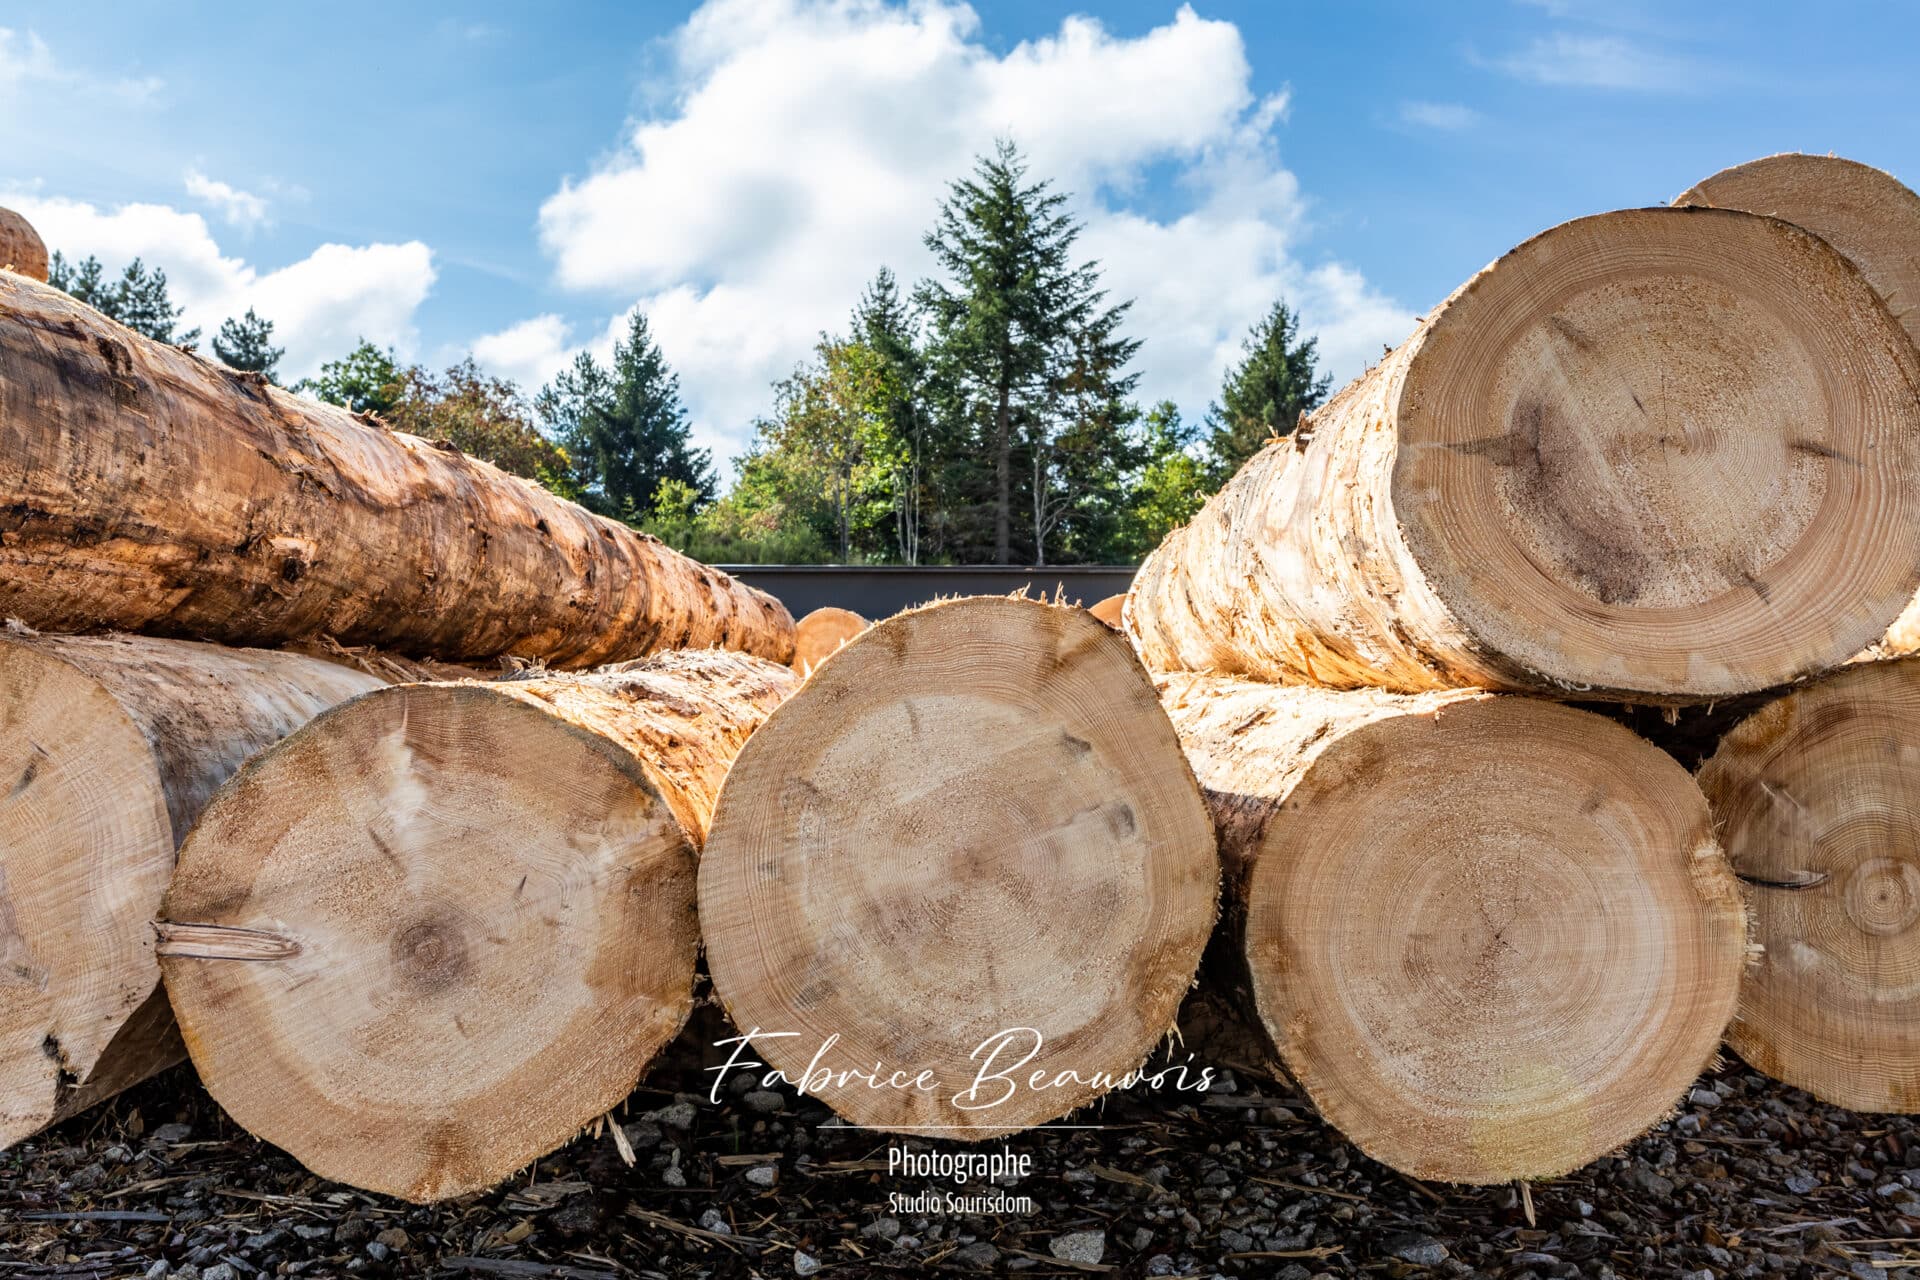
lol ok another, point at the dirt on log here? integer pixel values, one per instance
(112, 746)
(969, 843)
(426, 939)
(1492, 937)
(150, 490)
(1659, 455)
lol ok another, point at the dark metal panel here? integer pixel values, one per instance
(877, 591)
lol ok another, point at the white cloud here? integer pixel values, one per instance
(806, 144)
(238, 208)
(1597, 62)
(320, 305)
(27, 63)
(1450, 117)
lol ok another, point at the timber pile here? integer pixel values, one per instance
(1662, 456)
(974, 820)
(427, 938)
(112, 747)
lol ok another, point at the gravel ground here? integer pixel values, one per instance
(1749, 1179)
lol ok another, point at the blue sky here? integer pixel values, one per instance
(512, 179)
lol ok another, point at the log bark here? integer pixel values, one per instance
(1865, 213)
(150, 490)
(1656, 455)
(425, 940)
(112, 746)
(21, 249)
(1817, 797)
(1491, 937)
(974, 819)
(818, 635)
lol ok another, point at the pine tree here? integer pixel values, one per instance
(882, 324)
(1010, 324)
(247, 345)
(624, 427)
(138, 299)
(1265, 394)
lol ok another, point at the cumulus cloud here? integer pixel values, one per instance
(1450, 117)
(320, 305)
(806, 143)
(238, 208)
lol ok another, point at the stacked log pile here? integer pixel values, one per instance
(955, 872)
(176, 510)
(1661, 456)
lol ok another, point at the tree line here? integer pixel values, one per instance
(986, 415)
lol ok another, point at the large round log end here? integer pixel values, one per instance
(427, 939)
(972, 827)
(1668, 453)
(1818, 800)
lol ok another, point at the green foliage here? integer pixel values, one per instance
(1265, 394)
(482, 416)
(138, 299)
(366, 380)
(734, 530)
(1170, 486)
(624, 427)
(247, 345)
(1027, 377)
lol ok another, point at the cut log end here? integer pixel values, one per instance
(1818, 800)
(1108, 610)
(433, 935)
(1493, 938)
(974, 822)
(1866, 213)
(1664, 451)
(109, 746)
(21, 249)
(88, 848)
(818, 635)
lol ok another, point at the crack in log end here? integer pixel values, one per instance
(26, 780)
(68, 1079)
(221, 942)
(1802, 880)
(1823, 451)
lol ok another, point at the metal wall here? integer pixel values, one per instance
(875, 592)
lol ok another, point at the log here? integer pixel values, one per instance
(818, 635)
(1817, 798)
(1865, 213)
(112, 746)
(150, 490)
(428, 938)
(1108, 610)
(1491, 937)
(21, 249)
(974, 820)
(1659, 455)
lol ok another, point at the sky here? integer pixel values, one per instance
(513, 180)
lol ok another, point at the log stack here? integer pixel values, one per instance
(1661, 456)
(154, 493)
(427, 938)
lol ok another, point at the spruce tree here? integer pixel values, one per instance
(1011, 323)
(624, 427)
(247, 345)
(1264, 395)
(881, 323)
